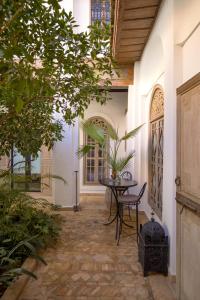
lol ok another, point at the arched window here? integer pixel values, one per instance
(95, 162)
(156, 151)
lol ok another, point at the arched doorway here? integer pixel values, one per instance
(156, 151)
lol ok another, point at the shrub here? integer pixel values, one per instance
(26, 224)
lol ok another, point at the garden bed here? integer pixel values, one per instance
(14, 291)
(26, 226)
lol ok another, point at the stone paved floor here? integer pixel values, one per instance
(87, 264)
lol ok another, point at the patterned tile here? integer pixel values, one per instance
(86, 263)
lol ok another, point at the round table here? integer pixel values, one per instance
(117, 186)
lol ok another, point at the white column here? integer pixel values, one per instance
(65, 163)
(82, 14)
(67, 5)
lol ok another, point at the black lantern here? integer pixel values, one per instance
(153, 248)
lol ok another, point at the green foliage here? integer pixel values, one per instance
(10, 261)
(22, 217)
(116, 163)
(47, 67)
(95, 132)
(26, 224)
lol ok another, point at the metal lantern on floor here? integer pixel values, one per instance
(153, 248)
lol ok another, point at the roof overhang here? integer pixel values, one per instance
(132, 24)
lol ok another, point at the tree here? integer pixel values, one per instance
(46, 67)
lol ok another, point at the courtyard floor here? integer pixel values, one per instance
(86, 263)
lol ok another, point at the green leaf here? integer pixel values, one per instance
(120, 163)
(96, 133)
(1, 53)
(112, 133)
(40, 258)
(19, 105)
(83, 150)
(131, 133)
(27, 272)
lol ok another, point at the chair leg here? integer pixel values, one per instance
(129, 212)
(136, 211)
(121, 217)
(119, 223)
(110, 206)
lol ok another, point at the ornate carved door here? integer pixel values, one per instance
(156, 151)
(188, 190)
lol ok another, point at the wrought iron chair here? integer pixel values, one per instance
(129, 200)
(126, 175)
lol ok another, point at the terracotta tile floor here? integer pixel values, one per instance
(87, 264)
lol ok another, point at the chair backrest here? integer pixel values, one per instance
(126, 175)
(142, 191)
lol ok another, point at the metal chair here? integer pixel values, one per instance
(126, 175)
(129, 200)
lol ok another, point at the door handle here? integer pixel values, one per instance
(178, 181)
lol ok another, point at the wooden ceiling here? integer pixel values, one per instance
(133, 21)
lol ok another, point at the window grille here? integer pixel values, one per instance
(95, 162)
(100, 11)
(156, 151)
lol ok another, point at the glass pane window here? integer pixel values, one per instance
(95, 162)
(100, 11)
(27, 172)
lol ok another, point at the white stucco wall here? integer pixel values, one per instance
(187, 37)
(114, 113)
(65, 163)
(65, 160)
(156, 67)
(67, 5)
(170, 58)
(82, 14)
(186, 17)
(191, 59)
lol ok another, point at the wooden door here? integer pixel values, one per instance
(188, 190)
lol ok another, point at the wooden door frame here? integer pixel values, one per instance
(183, 201)
(187, 86)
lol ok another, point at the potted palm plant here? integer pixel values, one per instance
(115, 162)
